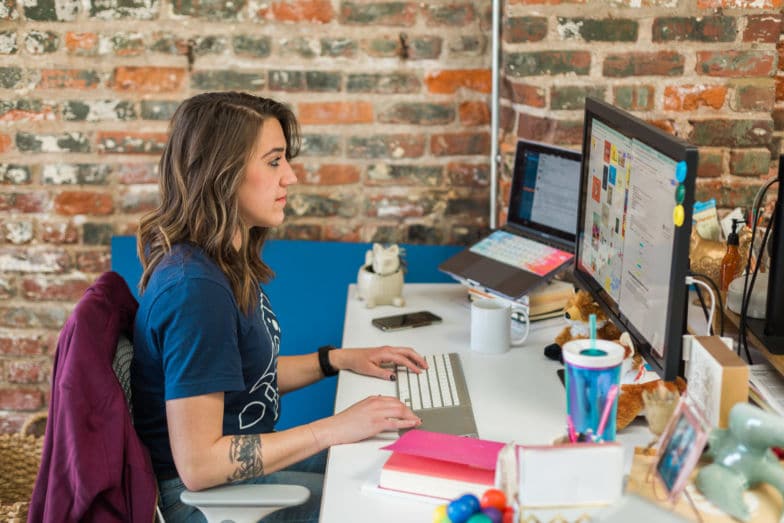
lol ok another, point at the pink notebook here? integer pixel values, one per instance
(474, 452)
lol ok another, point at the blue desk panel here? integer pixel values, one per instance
(308, 294)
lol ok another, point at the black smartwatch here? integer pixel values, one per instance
(323, 356)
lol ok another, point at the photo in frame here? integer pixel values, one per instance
(680, 447)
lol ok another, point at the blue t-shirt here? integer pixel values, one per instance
(191, 338)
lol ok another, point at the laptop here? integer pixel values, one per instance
(538, 239)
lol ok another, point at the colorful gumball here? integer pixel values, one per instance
(495, 515)
(439, 514)
(509, 515)
(459, 510)
(472, 501)
(494, 498)
(479, 518)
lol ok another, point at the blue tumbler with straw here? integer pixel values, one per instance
(593, 367)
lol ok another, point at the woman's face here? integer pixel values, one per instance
(262, 193)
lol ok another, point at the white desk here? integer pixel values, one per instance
(516, 396)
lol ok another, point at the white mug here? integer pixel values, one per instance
(491, 326)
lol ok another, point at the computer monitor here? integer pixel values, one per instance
(634, 221)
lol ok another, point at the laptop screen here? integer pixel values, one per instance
(545, 190)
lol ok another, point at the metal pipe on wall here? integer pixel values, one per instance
(494, 109)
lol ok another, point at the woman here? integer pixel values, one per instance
(206, 371)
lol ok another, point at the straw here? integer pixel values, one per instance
(592, 320)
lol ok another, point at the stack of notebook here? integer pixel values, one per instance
(545, 302)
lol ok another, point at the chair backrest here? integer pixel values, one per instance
(121, 364)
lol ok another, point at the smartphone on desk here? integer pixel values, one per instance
(408, 320)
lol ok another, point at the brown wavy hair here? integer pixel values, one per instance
(211, 138)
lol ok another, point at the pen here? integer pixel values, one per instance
(570, 428)
(606, 412)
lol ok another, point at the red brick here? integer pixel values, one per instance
(12, 422)
(319, 11)
(46, 112)
(22, 344)
(735, 63)
(665, 125)
(68, 79)
(35, 201)
(58, 232)
(81, 43)
(329, 113)
(57, 289)
(526, 94)
(549, 130)
(449, 81)
(548, 2)
(83, 202)
(779, 88)
(474, 113)
(149, 79)
(20, 398)
(466, 143)
(468, 174)
(739, 4)
(763, 28)
(711, 163)
(132, 173)
(331, 174)
(94, 261)
(26, 371)
(691, 97)
(5, 142)
(342, 233)
(127, 142)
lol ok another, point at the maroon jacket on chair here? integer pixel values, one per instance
(94, 467)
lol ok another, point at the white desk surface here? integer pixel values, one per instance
(516, 396)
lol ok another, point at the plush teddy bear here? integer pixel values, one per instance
(630, 403)
(576, 313)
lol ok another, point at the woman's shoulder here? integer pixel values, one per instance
(187, 265)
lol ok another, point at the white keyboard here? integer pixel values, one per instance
(430, 389)
(512, 250)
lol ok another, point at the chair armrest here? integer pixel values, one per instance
(247, 496)
(244, 503)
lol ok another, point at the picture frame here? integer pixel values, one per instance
(680, 447)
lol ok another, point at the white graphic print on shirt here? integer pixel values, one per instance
(254, 411)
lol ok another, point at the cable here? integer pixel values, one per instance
(702, 302)
(746, 295)
(690, 281)
(713, 284)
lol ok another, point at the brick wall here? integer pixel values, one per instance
(393, 99)
(705, 70)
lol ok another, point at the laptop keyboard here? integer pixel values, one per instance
(432, 388)
(521, 252)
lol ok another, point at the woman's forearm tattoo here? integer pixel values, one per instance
(245, 451)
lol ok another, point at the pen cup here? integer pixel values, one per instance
(592, 368)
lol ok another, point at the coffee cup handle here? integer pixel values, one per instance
(516, 342)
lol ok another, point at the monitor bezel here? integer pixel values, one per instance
(671, 364)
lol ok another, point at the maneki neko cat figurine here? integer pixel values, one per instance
(380, 279)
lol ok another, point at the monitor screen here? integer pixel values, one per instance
(545, 188)
(634, 220)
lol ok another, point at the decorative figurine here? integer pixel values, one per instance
(380, 280)
(742, 458)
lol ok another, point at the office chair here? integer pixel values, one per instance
(91, 372)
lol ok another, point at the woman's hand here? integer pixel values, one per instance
(363, 420)
(379, 362)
